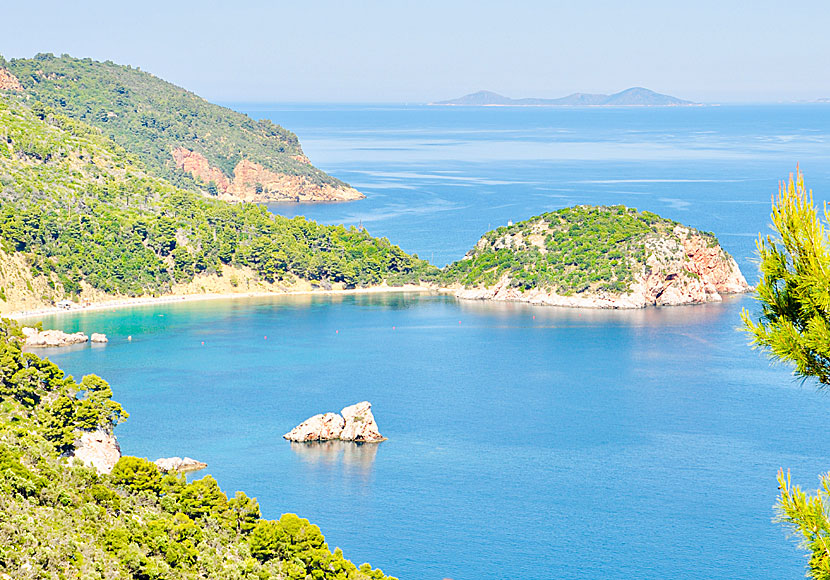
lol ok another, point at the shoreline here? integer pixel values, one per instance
(180, 298)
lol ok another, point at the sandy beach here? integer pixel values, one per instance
(118, 303)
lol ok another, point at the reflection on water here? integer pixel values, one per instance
(513, 313)
(357, 457)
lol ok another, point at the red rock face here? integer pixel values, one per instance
(713, 266)
(196, 164)
(9, 82)
(253, 182)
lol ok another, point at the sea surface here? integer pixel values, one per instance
(524, 442)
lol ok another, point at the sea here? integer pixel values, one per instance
(524, 442)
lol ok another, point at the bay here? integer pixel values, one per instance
(524, 442)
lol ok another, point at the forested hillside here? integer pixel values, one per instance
(60, 520)
(162, 124)
(84, 212)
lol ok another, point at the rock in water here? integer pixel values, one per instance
(179, 465)
(98, 337)
(98, 449)
(360, 424)
(323, 427)
(47, 338)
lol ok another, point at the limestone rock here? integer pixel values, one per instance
(360, 424)
(98, 449)
(98, 337)
(52, 338)
(323, 427)
(178, 464)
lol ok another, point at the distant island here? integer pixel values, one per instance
(633, 97)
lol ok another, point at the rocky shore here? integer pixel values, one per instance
(57, 338)
(100, 449)
(354, 423)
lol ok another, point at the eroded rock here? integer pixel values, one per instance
(360, 424)
(355, 423)
(98, 449)
(179, 464)
(52, 338)
(324, 427)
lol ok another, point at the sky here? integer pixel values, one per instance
(394, 51)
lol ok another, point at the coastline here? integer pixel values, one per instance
(120, 303)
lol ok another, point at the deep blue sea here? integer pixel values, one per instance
(524, 442)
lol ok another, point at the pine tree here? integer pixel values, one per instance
(794, 293)
(794, 290)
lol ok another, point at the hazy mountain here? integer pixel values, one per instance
(635, 96)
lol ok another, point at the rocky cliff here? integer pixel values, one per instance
(649, 261)
(98, 449)
(254, 183)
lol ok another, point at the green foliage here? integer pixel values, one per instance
(809, 519)
(136, 474)
(66, 521)
(150, 117)
(794, 293)
(85, 211)
(794, 290)
(568, 251)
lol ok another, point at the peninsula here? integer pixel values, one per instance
(633, 97)
(176, 134)
(597, 257)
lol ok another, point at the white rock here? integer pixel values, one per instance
(179, 465)
(98, 449)
(52, 338)
(98, 337)
(317, 428)
(360, 424)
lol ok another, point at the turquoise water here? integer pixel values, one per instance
(524, 442)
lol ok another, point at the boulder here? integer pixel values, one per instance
(323, 427)
(98, 449)
(356, 423)
(360, 424)
(52, 338)
(98, 337)
(178, 464)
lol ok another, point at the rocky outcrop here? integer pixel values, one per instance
(254, 183)
(324, 427)
(360, 424)
(52, 338)
(98, 449)
(685, 267)
(9, 82)
(355, 423)
(178, 464)
(55, 338)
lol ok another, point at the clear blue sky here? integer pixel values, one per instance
(389, 51)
